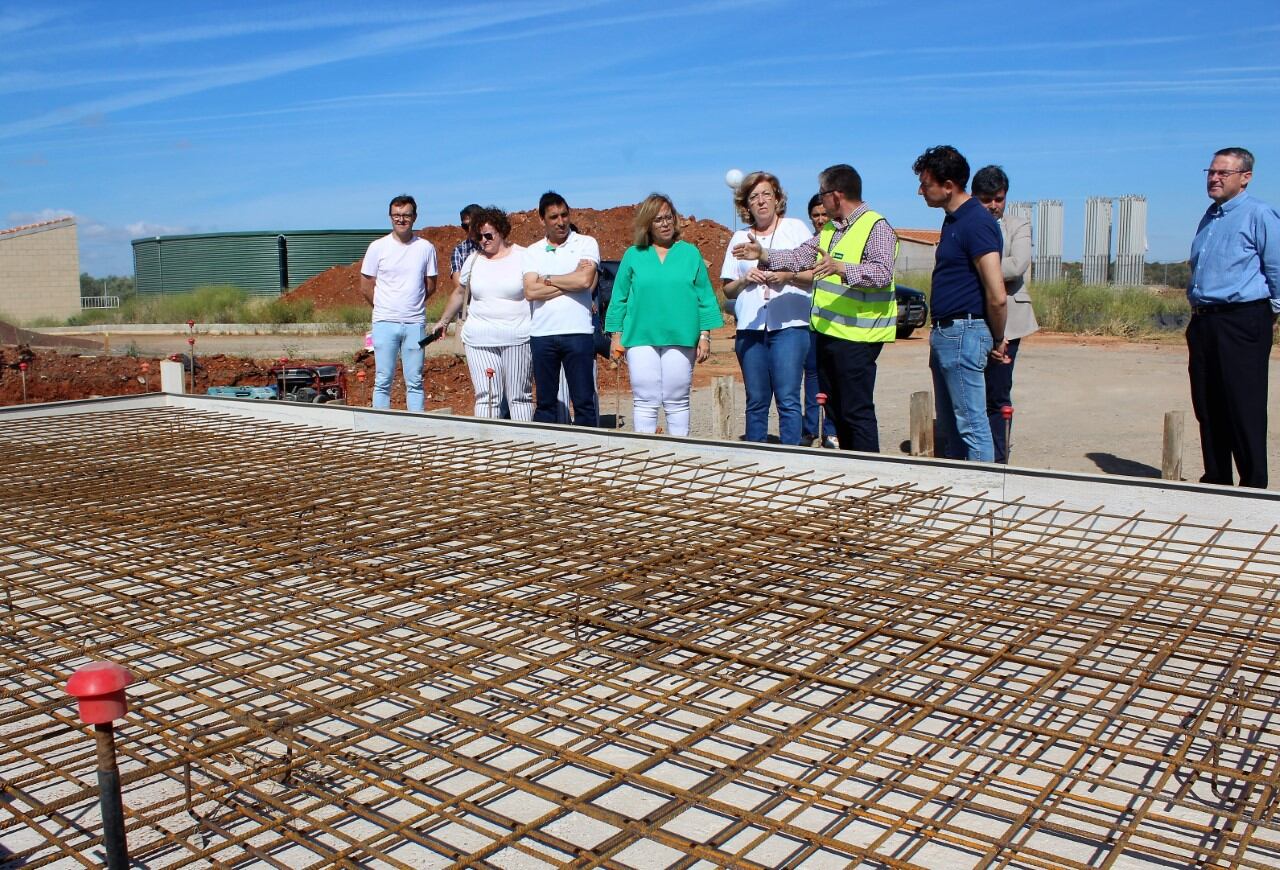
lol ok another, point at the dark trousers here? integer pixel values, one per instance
(1000, 393)
(576, 353)
(849, 368)
(1227, 357)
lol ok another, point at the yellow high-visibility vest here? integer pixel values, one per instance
(867, 314)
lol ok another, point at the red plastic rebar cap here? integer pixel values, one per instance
(191, 324)
(146, 366)
(1006, 411)
(191, 341)
(822, 398)
(99, 687)
(22, 366)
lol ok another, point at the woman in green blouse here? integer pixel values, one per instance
(662, 313)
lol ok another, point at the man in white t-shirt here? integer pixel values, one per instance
(397, 275)
(559, 272)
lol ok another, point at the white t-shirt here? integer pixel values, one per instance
(399, 271)
(499, 313)
(569, 313)
(787, 305)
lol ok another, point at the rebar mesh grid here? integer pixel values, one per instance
(405, 651)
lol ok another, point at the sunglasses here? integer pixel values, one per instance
(488, 237)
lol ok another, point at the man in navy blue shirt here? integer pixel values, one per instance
(968, 303)
(1234, 293)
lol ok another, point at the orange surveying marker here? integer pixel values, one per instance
(1006, 411)
(488, 373)
(822, 414)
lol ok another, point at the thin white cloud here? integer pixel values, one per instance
(379, 42)
(20, 21)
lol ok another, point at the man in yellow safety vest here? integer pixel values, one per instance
(850, 264)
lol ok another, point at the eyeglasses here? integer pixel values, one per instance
(762, 196)
(488, 237)
(663, 219)
(823, 193)
(404, 218)
(1223, 173)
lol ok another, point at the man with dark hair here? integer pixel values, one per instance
(1234, 293)
(463, 249)
(559, 273)
(968, 302)
(854, 309)
(991, 188)
(397, 275)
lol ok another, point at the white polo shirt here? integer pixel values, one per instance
(399, 271)
(569, 313)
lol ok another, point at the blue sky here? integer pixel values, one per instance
(144, 119)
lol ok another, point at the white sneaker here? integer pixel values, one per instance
(831, 442)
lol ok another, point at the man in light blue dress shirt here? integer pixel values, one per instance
(1234, 293)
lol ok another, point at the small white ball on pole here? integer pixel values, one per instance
(733, 178)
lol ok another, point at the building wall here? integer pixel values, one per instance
(40, 272)
(914, 257)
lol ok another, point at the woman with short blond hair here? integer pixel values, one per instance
(771, 308)
(662, 313)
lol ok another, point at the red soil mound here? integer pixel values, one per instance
(612, 228)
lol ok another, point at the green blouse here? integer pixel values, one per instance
(662, 302)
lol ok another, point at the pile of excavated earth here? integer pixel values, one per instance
(613, 228)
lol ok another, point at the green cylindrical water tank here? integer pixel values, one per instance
(254, 261)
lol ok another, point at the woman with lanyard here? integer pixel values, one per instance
(496, 331)
(662, 313)
(771, 309)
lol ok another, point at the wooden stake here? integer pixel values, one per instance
(722, 390)
(922, 424)
(1171, 460)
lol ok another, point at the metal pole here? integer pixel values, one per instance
(109, 800)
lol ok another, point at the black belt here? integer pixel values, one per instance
(952, 318)
(1220, 307)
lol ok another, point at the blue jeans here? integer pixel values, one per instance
(576, 352)
(773, 371)
(999, 377)
(814, 383)
(389, 341)
(958, 355)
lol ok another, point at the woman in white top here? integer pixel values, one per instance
(771, 308)
(495, 333)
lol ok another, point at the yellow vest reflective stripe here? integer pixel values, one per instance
(867, 314)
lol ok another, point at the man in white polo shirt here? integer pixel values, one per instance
(559, 272)
(397, 275)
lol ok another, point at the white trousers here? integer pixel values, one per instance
(512, 380)
(660, 378)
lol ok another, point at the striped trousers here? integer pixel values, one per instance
(512, 380)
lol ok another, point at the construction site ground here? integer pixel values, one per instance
(1081, 403)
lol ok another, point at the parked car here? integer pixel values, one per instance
(913, 310)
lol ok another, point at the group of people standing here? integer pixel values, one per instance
(829, 296)
(814, 306)
(530, 313)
